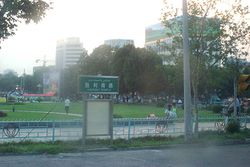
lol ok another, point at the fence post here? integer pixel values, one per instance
(53, 131)
(129, 126)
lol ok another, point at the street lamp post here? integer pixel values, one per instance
(186, 68)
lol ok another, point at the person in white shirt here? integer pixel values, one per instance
(66, 105)
(170, 114)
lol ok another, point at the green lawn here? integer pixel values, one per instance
(119, 111)
(32, 116)
(141, 111)
(55, 107)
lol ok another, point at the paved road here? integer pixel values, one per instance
(189, 156)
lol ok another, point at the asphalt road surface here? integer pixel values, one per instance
(188, 156)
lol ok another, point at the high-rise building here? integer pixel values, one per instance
(68, 52)
(156, 38)
(118, 43)
(163, 39)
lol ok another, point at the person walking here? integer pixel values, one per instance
(66, 105)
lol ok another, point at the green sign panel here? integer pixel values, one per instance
(99, 84)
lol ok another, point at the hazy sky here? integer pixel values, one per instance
(92, 20)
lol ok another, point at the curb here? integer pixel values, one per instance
(106, 149)
(184, 145)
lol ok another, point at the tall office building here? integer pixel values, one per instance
(68, 52)
(156, 38)
(161, 39)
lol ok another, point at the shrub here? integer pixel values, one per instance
(216, 108)
(117, 116)
(11, 99)
(3, 114)
(233, 126)
(39, 99)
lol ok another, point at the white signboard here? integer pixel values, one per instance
(98, 118)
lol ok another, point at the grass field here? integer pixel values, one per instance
(23, 111)
(35, 116)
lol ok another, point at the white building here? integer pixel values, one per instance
(68, 52)
(156, 38)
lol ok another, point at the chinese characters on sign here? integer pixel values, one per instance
(99, 84)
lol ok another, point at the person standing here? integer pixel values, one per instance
(66, 105)
(170, 114)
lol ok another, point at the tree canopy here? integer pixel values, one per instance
(12, 12)
(139, 70)
(215, 36)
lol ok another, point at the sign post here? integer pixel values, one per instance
(97, 114)
(98, 84)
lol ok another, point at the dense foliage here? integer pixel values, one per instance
(12, 12)
(216, 37)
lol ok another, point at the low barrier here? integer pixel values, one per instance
(125, 128)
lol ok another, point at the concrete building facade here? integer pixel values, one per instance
(156, 38)
(68, 52)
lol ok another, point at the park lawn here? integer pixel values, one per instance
(45, 107)
(142, 111)
(119, 110)
(35, 116)
(136, 111)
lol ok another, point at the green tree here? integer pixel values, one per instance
(214, 35)
(8, 81)
(139, 70)
(235, 66)
(98, 62)
(30, 83)
(125, 65)
(13, 12)
(69, 82)
(151, 79)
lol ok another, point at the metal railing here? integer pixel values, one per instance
(125, 128)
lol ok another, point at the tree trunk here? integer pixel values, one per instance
(196, 125)
(196, 113)
(195, 83)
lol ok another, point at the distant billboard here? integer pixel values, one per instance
(51, 82)
(2, 99)
(155, 32)
(158, 32)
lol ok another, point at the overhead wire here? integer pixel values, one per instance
(51, 109)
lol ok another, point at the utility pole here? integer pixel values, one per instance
(23, 81)
(186, 68)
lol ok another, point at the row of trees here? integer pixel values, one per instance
(142, 71)
(216, 35)
(216, 38)
(139, 70)
(9, 81)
